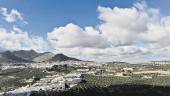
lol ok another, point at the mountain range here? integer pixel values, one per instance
(32, 56)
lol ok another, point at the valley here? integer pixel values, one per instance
(60, 73)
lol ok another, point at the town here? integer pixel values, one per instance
(62, 76)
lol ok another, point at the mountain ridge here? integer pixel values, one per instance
(8, 56)
(33, 56)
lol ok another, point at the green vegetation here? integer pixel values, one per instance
(115, 86)
(112, 80)
(61, 68)
(117, 66)
(114, 90)
(23, 73)
(13, 78)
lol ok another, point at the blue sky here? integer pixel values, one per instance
(44, 15)
(92, 29)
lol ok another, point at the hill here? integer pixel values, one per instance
(25, 54)
(62, 57)
(32, 56)
(8, 56)
(42, 57)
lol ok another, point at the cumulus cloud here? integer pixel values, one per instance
(71, 36)
(125, 26)
(17, 39)
(12, 15)
(134, 33)
(113, 51)
(123, 32)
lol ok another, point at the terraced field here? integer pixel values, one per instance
(114, 90)
(112, 80)
(13, 78)
(115, 86)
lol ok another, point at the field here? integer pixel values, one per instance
(113, 80)
(94, 85)
(13, 78)
(115, 86)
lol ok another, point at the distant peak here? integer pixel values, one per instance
(62, 57)
(60, 54)
(32, 50)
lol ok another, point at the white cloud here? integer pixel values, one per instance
(18, 39)
(71, 36)
(123, 32)
(135, 33)
(114, 51)
(12, 15)
(123, 26)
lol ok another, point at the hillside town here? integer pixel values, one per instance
(24, 72)
(67, 74)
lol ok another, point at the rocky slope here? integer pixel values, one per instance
(62, 57)
(42, 57)
(32, 56)
(8, 56)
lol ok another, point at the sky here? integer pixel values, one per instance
(106, 30)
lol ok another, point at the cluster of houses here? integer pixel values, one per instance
(61, 82)
(53, 83)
